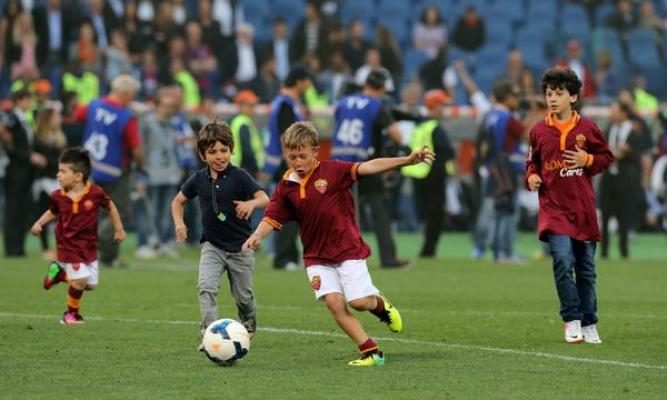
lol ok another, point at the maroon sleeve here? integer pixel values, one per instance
(278, 212)
(534, 162)
(599, 150)
(53, 203)
(80, 114)
(347, 173)
(131, 138)
(515, 133)
(104, 199)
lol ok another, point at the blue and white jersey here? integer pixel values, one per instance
(355, 116)
(273, 146)
(103, 138)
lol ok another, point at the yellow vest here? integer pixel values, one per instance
(191, 95)
(421, 136)
(87, 87)
(256, 143)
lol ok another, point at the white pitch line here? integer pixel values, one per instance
(501, 350)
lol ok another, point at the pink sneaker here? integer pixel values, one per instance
(70, 318)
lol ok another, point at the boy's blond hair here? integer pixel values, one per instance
(300, 134)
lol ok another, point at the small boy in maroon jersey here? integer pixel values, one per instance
(76, 206)
(316, 194)
(566, 150)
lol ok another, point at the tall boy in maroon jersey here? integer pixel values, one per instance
(76, 206)
(566, 150)
(317, 195)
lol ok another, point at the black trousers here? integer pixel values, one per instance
(373, 196)
(17, 215)
(119, 192)
(430, 203)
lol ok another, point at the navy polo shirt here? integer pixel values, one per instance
(222, 228)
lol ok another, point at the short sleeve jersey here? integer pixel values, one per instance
(322, 205)
(76, 227)
(216, 197)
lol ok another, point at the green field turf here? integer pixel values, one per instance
(474, 330)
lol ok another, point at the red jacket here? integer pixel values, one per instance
(567, 199)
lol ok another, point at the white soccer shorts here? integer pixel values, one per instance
(76, 271)
(350, 278)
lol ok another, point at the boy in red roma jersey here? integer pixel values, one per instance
(76, 205)
(317, 195)
(566, 150)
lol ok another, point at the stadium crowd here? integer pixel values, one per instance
(189, 57)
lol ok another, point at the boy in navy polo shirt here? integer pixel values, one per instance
(316, 194)
(228, 196)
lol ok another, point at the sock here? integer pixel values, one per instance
(74, 299)
(369, 346)
(379, 307)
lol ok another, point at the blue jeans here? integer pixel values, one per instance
(577, 297)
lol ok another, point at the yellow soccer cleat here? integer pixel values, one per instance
(368, 360)
(391, 316)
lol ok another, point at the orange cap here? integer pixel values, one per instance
(434, 98)
(246, 96)
(42, 86)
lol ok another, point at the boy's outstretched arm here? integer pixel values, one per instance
(119, 233)
(379, 165)
(263, 229)
(47, 217)
(177, 206)
(245, 208)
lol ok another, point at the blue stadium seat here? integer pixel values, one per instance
(356, 9)
(291, 11)
(499, 32)
(399, 26)
(656, 78)
(607, 39)
(642, 48)
(255, 10)
(573, 15)
(412, 60)
(506, 9)
(393, 7)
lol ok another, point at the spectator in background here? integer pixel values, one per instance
(620, 185)
(199, 57)
(229, 15)
(148, 74)
(103, 20)
(279, 48)
(159, 139)
(310, 35)
(429, 33)
(165, 27)
(18, 179)
(267, 83)
(514, 67)
(390, 53)
(9, 52)
(188, 84)
(355, 46)
(649, 20)
(336, 41)
(336, 76)
(179, 12)
(139, 33)
(431, 72)
(606, 79)
(25, 41)
(470, 31)
(210, 29)
(373, 62)
(623, 20)
(85, 52)
(50, 141)
(118, 59)
(248, 144)
(247, 61)
(574, 61)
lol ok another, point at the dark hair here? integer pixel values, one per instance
(422, 17)
(20, 94)
(504, 88)
(296, 74)
(79, 159)
(626, 109)
(562, 78)
(214, 132)
(376, 79)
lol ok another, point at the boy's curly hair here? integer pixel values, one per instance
(214, 132)
(562, 78)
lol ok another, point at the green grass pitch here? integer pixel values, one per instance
(473, 330)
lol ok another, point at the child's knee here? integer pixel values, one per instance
(335, 303)
(78, 284)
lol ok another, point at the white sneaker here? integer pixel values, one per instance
(590, 333)
(145, 253)
(573, 332)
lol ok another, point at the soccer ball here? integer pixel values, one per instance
(226, 341)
